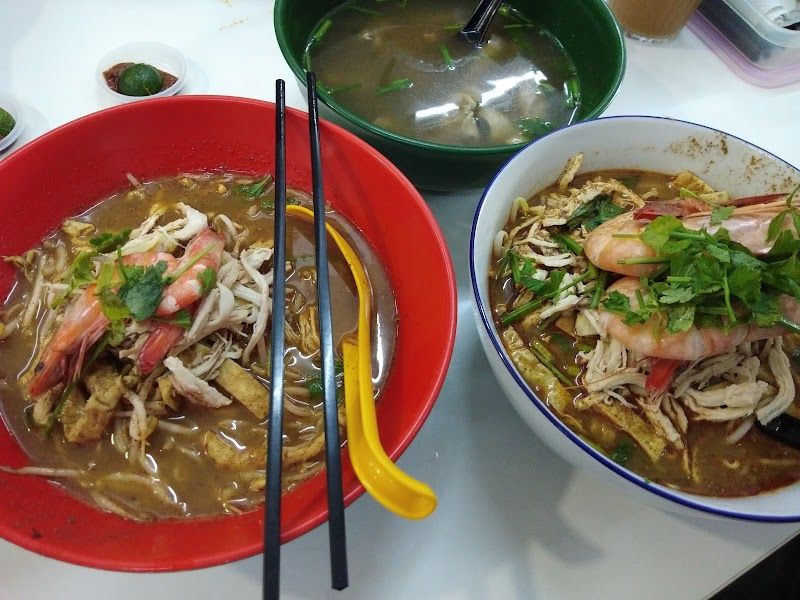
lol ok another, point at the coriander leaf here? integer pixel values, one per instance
(109, 242)
(680, 318)
(255, 189)
(314, 383)
(208, 279)
(594, 213)
(623, 452)
(741, 257)
(534, 127)
(745, 284)
(766, 312)
(523, 272)
(80, 272)
(720, 214)
(785, 244)
(719, 252)
(619, 303)
(675, 294)
(553, 283)
(116, 312)
(657, 232)
(142, 289)
(776, 225)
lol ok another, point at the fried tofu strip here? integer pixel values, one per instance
(631, 423)
(228, 457)
(535, 373)
(245, 388)
(84, 420)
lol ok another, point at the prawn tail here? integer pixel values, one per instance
(158, 344)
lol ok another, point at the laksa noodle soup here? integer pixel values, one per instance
(400, 65)
(658, 318)
(135, 346)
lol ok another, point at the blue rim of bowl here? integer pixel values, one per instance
(352, 118)
(488, 325)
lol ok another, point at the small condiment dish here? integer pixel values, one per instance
(8, 103)
(156, 54)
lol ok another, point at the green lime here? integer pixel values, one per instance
(139, 80)
(7, 123)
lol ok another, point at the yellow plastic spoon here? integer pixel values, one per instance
(385, 481)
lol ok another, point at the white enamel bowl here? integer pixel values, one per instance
(648, 143)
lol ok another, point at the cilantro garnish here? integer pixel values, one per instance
(142, 289)
(534, 127)
(315, 385)
(523, 271)
(720, 214)
(255, 189)
(208, 279)
(709, 280)
(109, 242)
(623, 452)
(594, 213)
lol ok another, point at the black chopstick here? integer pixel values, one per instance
(336, 532)
(272, 522)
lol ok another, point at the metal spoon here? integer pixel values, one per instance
(478, 24)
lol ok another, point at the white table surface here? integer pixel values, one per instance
(514, 520)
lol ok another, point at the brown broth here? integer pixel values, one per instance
(200, 486)
(755, 464)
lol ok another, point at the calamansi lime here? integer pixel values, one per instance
(139, 80)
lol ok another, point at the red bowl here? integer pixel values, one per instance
(68, 169)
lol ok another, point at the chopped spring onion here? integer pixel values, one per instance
(536, 348)
(321, 30)
(532, 305)
(572, 92)
(599, 288)
(448, 60)
(344, 88)
(568, 244)
(394, 86)
(361, 9)
(67, 391)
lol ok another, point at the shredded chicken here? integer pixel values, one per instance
(192, 387)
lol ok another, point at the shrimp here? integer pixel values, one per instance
(747, 225)
(203, 252)
(84, 323)
(650, 339)
(160, 341)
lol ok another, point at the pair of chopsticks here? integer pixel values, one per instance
(272, 523)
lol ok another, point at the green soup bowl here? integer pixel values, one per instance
(586, 29)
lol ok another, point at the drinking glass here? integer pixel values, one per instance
(652, 20)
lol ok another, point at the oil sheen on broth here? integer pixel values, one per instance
(198, 486)
(400, 66)
(753, 464)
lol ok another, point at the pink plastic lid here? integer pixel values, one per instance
(736, 61)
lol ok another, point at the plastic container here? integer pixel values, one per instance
(155, 54)
(750, 44)
(8, 103)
